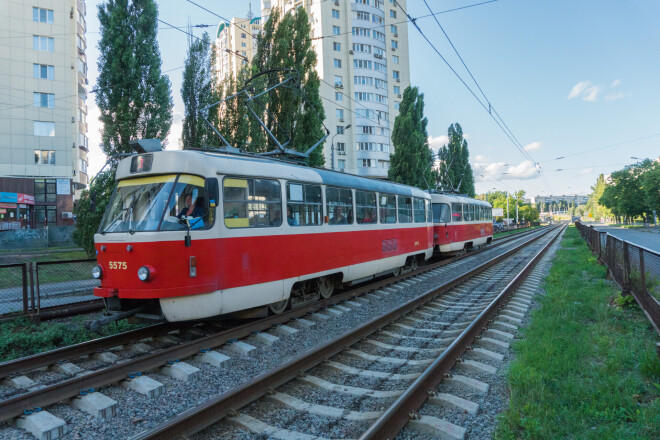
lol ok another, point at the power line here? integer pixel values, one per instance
(603, 148)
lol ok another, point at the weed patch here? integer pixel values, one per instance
(587, 367)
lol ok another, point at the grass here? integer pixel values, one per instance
(587, 367)
(20, 337)
(514, 231)
(11, 277)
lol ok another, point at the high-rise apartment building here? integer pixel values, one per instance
(363, 62)
(236, 44)
(43, 130)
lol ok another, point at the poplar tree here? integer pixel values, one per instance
(132, 94)
(285, 44)
(411, 161)
(198, 90)
(455, 173)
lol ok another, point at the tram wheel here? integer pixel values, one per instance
(414, 264)
(325, 287)
(278, 307)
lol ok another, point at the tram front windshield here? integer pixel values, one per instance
(156, 203)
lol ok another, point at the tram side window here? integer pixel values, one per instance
(405, 209)
(387, 203)
(252, 203)
(456, 212)
(303, 204)
(441, 213)
(419, 212)
(365, 207)
(340, 205)
(429, 212)
(467, 215)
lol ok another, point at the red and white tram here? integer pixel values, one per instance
(197, 234)
(460, 223)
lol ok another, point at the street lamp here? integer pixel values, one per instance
(332, 144)
(636, 158)
(488, 192)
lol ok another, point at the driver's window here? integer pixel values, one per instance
(188, 203)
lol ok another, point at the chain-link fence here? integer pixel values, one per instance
(31, 288)
(635, 268)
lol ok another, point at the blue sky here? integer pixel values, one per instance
(566, 76)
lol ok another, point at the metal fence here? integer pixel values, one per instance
(635, 268)
(37, 289)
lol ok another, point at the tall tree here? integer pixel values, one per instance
(455, 173)
(412, 158)
(132, 94)
(198, 90)
(285, 44)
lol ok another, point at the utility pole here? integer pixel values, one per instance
(507, 205)
(516, 211)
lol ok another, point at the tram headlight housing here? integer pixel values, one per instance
(146, 273)
(97, 272)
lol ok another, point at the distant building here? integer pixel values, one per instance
(236, 44)
(363, 63)
(43, 129)
(576, 199)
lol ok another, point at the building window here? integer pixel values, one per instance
(340, 129)
(44, 157)
(336, 47)
(395, 44)
(393, 29)
(242, 35)
(243, 45)
(339, 81)
(395, 74)
(361, 32)
(82, 140)
(337, 63)
(336, 30)
(44, 128)
(359, 47)
(83, 165)
(45, 100)
(395, 59)
(377, 19)
(367, 163)
(362, 64)
(392, 13)
(341, 164)
(339, 96)
(45, 190)
(379, 36)
(397, 90)
(42, 15)
(44, 44)
(43, 213)
(42, 71)
(366, 129)
(335, 13)
(380, 83)
(340, 115)
(341, 148)
(396, 105)
(363, 80)
(362, 15)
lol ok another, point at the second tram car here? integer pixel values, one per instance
(460, 223)
(196, 234)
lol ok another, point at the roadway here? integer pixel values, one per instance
(647, 237)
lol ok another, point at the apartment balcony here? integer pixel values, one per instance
(82, 127)
(371, 172)
(81, 7)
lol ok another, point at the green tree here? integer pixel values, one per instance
(88, 217)
(132, 94)
(412, 158)
(651, 189)
(455, 173)
(626, 196)
(198, 90)
(285, 44)
(235, 124)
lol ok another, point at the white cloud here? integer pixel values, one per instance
(615, 83)
(591, 93)
(614, 96)
(578, 89)
(437, 142)
(533, 146)
(503, 171)
(480, 158)
(585, 171)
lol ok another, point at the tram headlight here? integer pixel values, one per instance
(97, 272)
(146, 273)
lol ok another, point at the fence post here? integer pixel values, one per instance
(31, 270)
(25, 287)
(625, 285)
(642, 277)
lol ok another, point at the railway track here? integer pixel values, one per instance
(418, 343)
(172, 347)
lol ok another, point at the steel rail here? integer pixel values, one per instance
(397, 415)
(204, 415)
(47, 358)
